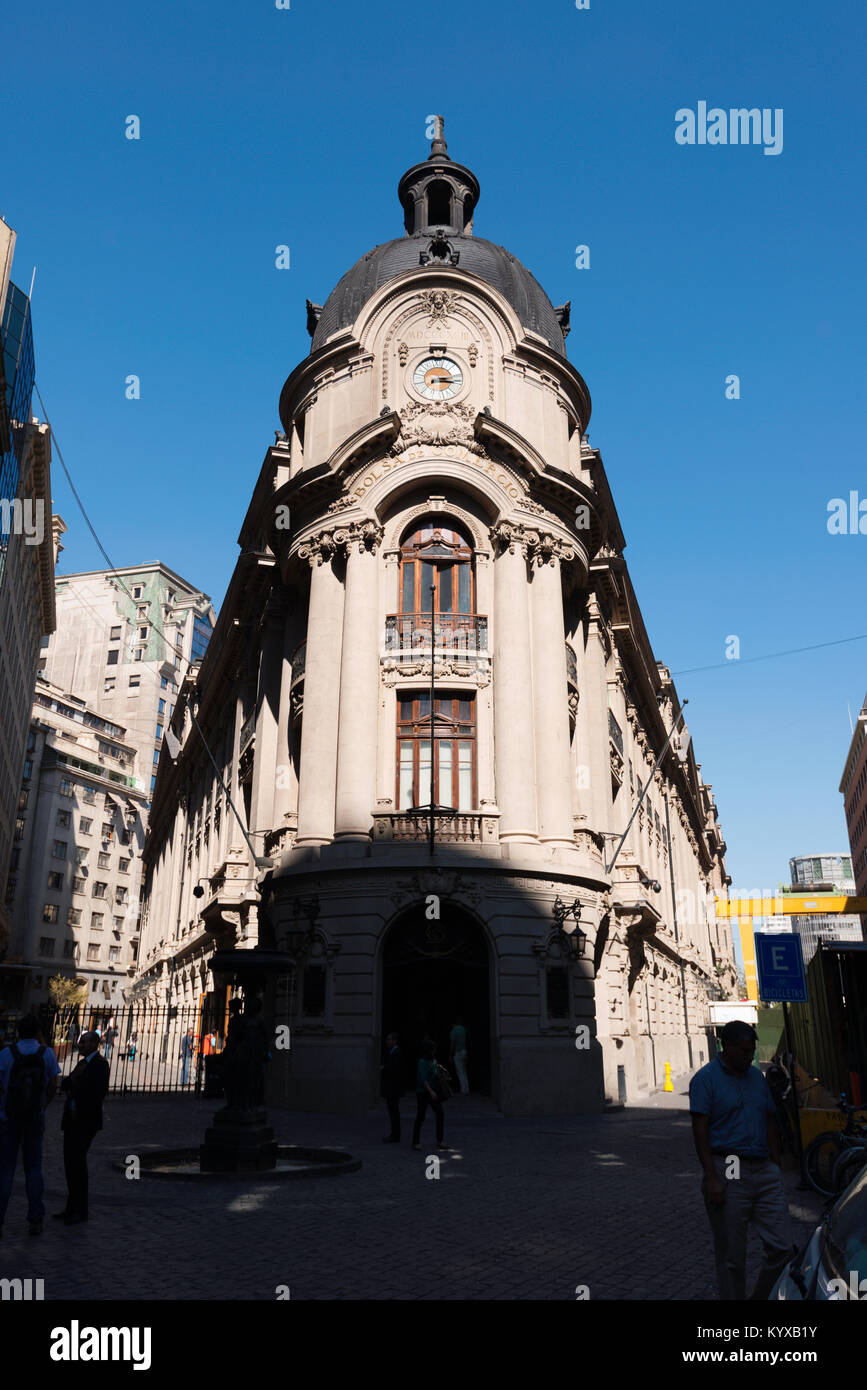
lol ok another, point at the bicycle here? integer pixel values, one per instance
(849, 1165)
(822, 1153)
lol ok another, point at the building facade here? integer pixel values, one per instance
(431, 628)
(73, 880)
(124, 640)
(853, 788)
(29, 544)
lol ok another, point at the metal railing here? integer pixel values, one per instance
(459, 635)
(571, 666)
(156, 1049)
(615, 733)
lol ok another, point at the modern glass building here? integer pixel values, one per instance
(823, 873)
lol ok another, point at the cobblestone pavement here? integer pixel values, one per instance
(523, 1209)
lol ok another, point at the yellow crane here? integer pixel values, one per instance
(786, 904)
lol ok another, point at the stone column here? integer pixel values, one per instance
(286, 782)
(551, 703)
(597, 722)
(514, 753)
(316, 791)
(267, 710)
(359, 688)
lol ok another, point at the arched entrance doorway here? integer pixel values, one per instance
(434, 972)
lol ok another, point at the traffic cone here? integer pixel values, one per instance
(668, 1082)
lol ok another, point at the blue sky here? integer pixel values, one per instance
(262, 127)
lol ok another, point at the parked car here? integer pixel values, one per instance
(833, 1264)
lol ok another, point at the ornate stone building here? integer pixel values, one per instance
(434, 498)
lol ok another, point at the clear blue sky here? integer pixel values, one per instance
(263, 126)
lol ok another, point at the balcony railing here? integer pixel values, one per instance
(458, 636)
(464, 828)
(571, 666)
(248, 728)
(299, 659)
(615, 733)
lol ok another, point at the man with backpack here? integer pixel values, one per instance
(28, 1081)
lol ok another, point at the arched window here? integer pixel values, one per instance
(439, 557)
(439, 204)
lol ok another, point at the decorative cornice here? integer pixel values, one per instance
(437, 422)
(322, 546)
(539, 547)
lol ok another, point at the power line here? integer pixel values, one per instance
(770, 656)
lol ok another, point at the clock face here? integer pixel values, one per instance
(437, 378)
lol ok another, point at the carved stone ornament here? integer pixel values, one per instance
(402, 353)
(395, 671)
(473, 354)
(321, 547)
(437, 422)
(439, 251)
(438, 304)
(539, 547)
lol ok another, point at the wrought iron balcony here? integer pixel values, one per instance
(461, 637)
(571, 666)
(248, 728)
(299, 659)
(615, 733)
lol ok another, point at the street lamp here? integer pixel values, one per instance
(576, 940)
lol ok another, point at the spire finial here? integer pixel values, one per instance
(438, 143)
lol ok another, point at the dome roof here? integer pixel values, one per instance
(489, 262)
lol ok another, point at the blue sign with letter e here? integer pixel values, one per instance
(780, 963)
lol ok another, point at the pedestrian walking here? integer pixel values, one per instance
(427, 1086)
(187, 1047)
(735, 1134)
(109, 1038)
(458, 1053)
(392, 1086)
(85, 1090)
(28, 1082)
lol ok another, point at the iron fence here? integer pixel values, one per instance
(150, 1049)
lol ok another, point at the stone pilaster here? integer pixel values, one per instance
(514, 750)
(359, 689)
(316, 791)
(553, 769)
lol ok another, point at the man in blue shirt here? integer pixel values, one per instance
(26, 1087)
(737, 1142)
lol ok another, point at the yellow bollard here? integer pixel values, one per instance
(668, 1082)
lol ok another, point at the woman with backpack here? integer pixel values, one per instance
(429, 1091)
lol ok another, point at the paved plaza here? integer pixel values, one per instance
(523, 1209)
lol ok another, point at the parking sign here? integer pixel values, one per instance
(780, 964)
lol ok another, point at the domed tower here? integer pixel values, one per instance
(437, 706)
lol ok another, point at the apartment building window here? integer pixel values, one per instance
(139, 654)
(63, 819)
(69, 949)
(79, 885)
(85, 825)
(24, 797)
(120, 896)
(137, 591)
(159, 732)
(142, 634)
(81, 853)
(164, 685)
(10, 889)
(153, 781)
(134, 682)
(46, 945)
(161, 707)
(58, 848)
(89, 795)
(104, 861)
(99, 889)
(73, 916)
(107, 830)
(142, 611)
(123, 866)
(66, 786)
(113, 954)
(49, 912)
(114, 635)
(156, 757)
(111, 659)
(96, 921)
(118, 925)
(124, 836)
(28, 770)
(108, 686)
(19, 827)
(93, 950)
(55, 882)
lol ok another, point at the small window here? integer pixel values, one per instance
(55, 882)
(120, 895)
(28, 770)
(104, 861)
(161, 705)
(114, 635)
(79, 885)
(111, 659)
(557, 991)
(63, 819)
(113, 954)
(107, 830)
(123, 866)
(46, 945)
(159, 732)
(85, 825)
(137, 589)
(73, 917)
(81, 853)
(19, 827)
(134, 682)
(69, 949)
(96, 920)
(66, 787)
(93, 950)
(50, 912)
(89, 795)
(314, 991)
(99, 889)
(59, 848)
(139, 654)
(142, 634)
(24, 797)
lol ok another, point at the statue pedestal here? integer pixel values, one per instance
(238, 1141)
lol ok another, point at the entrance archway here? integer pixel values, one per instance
(434, 972)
